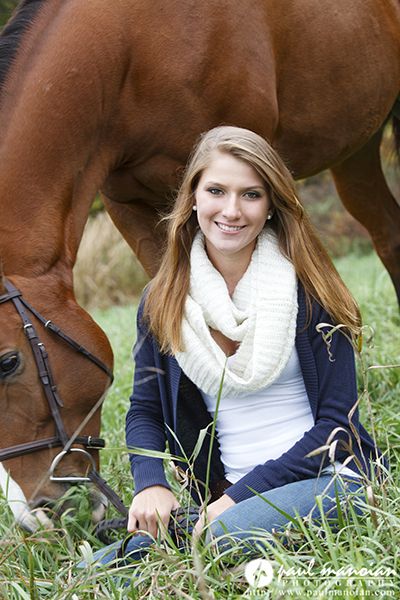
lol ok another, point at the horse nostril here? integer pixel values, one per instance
(55, 507)
(42, 511)
(42, 503)
(75, 499)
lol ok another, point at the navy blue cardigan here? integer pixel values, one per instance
(163, 397)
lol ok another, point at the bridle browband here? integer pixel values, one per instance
(54, 401)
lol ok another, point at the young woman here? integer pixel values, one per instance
(242, 286)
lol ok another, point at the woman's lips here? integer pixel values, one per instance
(229, 228)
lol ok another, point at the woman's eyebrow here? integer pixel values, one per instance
(255, 187)
(250, 187)
(214, 183)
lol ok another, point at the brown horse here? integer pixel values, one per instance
(111, 96)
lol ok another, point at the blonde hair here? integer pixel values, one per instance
(165, 301)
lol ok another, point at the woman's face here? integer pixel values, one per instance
(232, 207)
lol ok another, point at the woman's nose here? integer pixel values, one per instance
(231, 208)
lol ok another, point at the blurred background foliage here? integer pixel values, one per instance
(6, 8)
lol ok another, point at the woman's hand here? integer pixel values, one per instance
(213, 511)
(151, 506)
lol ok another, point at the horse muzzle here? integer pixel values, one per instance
(45, 511)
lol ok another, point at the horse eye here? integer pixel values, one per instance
(9, 363)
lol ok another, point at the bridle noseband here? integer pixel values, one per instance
(54, 401)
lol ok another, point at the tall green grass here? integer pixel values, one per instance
(42, 565)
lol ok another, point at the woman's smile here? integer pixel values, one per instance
(232, 206)
(229, 228)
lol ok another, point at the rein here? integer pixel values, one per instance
(55, 403)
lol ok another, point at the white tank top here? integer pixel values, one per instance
(259, 426)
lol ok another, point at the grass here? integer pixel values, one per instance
(42, 565)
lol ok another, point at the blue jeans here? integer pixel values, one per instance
(262, 515)
(256, 517)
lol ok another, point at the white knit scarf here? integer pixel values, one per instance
(261, 315)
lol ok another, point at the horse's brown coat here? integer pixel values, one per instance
(112, 95)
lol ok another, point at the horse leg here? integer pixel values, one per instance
(139, 225)
(363, 190)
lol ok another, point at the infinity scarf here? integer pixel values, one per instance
(260, 315)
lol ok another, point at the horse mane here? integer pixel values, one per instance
(12, 34)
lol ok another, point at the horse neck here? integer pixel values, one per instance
(54, 155)
(44, 204)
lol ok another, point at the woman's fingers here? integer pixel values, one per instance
(198, 528)
(132, 523)
(143, 521)
(151, 525)
(151, 509)
(213, 511)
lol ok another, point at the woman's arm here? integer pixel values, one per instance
(144, 421)
(337, 396)
(153, 501)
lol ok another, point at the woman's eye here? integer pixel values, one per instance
(214, 191)
(253, 195)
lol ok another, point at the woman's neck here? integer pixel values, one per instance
(232, 267)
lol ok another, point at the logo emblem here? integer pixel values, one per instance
(259, 572)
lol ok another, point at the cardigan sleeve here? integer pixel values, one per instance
(144, 421)
(337, 395)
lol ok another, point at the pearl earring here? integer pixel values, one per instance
(194, 207)
(269, 216)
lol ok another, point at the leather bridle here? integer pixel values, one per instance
(55, 403)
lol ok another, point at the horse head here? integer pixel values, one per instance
(27, 416)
